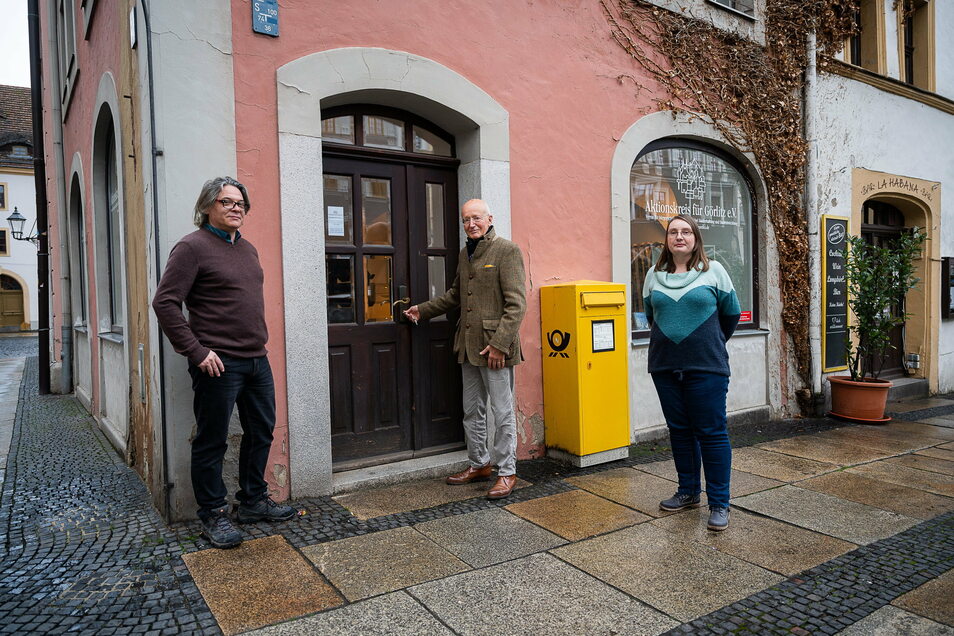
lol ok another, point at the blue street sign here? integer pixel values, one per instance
(265, 17)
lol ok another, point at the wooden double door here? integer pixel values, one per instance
(882, 225)
(391, 241)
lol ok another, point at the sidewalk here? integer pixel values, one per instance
(834, 529)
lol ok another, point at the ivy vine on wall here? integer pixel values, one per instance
(752, 94)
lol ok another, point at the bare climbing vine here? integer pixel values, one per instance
(751, 93)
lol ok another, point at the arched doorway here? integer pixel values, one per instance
(11, 304)
(391, 240)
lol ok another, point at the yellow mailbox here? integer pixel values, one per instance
(585, 379)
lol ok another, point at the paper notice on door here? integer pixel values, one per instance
(336, 222)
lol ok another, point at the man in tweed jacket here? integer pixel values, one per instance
(489, 289)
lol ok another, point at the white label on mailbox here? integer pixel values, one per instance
(603, 337)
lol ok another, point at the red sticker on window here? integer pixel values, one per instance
(746, 316)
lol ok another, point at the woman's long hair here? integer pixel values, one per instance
(665, 262)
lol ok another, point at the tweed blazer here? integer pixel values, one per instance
(491, 293)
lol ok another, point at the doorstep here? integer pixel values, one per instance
(399, 472)
(907, 389)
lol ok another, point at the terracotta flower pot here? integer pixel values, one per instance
(859, 401)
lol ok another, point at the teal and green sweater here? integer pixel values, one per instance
(691, 316)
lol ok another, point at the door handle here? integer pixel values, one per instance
(403, 301)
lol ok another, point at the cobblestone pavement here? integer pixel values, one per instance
(83, 550)
(81, 547)
(17, 345)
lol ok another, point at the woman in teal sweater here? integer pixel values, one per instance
(692, 310)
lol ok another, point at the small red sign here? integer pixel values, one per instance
(746, 316)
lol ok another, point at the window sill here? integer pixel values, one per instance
(111, 336)
(81, 329)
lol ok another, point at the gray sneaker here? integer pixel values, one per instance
(219, 530)
(265, 510)
(718, 518)
(679, 502)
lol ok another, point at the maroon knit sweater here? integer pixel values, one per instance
(221, 285)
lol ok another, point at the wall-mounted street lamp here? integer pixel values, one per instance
(16, 221)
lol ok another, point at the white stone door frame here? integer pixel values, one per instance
(359, 75)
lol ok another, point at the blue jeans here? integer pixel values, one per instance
(693, 403)
(248, 383)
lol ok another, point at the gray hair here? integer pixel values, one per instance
(210, 192)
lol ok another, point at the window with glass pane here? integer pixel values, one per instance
(383, 132)
(377, 296)
(428, 143)
(339, 213)
(338, 129)
(376, 210)
(671, 181)
(743, 6)
(339, 274)
(434, 200)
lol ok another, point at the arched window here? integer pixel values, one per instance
(108, 222)
(676, 176)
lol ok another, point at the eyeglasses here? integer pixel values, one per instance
(472, 219)
(680, 233)
(228, 204)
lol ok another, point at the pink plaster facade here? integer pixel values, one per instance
(552, 65)
(96, 55)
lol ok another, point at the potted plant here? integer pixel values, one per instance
(878, 277)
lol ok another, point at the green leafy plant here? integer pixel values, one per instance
(877, 278)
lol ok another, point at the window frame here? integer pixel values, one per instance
(113, 237)
(358, 111)
(66, 51)
(692, 144)
(728, 7)
(916, 45)
(5, 242)
(870, 20)
(4, 194)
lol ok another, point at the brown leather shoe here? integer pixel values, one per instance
(469, 475)
(503, 487)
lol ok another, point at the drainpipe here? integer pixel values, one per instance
(811, 213)
(168, 485)
(39, 177)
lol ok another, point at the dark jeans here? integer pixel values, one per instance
(693, 403)
(248, 383)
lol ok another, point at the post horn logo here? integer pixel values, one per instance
(558, 340)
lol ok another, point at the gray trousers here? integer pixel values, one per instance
(481, 383)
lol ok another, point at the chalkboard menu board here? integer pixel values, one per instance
(834, 293)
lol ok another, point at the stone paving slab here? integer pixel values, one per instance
(764, 463)
(917, 405)
(395, 614)
(740, 483)
(678, 576)
(903, 500)
(893, 621)
(905, 476)
(537, 594)
(576, 514)
(382, 562)
(891, 442)
(488, 537)
(937, 451)
(830, 451)
(632, 488)
(920, 429)
(426, 493)
(931, 464)
(260, 582)
(833, 516)
(763, 541)
(934, 599)
(947, 422)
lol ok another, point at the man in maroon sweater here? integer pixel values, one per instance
(216, 273)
